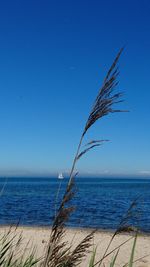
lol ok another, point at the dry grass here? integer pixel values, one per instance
(58, 252)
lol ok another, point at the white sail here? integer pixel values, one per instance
(60, 176)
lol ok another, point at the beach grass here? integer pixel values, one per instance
(58, 251)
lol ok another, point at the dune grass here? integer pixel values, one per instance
(11, 252)
(57, 250)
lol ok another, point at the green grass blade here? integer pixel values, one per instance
(114, 259)
(92, 260)
(132, 252)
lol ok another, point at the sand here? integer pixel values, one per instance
(38, 236)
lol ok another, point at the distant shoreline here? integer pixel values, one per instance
(78, 177)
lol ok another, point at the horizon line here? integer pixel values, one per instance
(79, 176)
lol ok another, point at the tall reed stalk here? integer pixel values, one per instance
(58, 252)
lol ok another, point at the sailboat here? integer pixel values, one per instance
(60, 176)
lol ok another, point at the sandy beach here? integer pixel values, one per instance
(38, 237)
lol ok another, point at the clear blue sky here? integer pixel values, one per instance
(53, 58)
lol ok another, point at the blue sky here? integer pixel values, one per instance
(53, 58)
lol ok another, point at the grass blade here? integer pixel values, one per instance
(114, 259)
(92, 260)
(132, 252)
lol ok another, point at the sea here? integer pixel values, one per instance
(99, 202)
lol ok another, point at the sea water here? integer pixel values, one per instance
(99, 202)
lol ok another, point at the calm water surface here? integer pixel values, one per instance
(100, 202)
